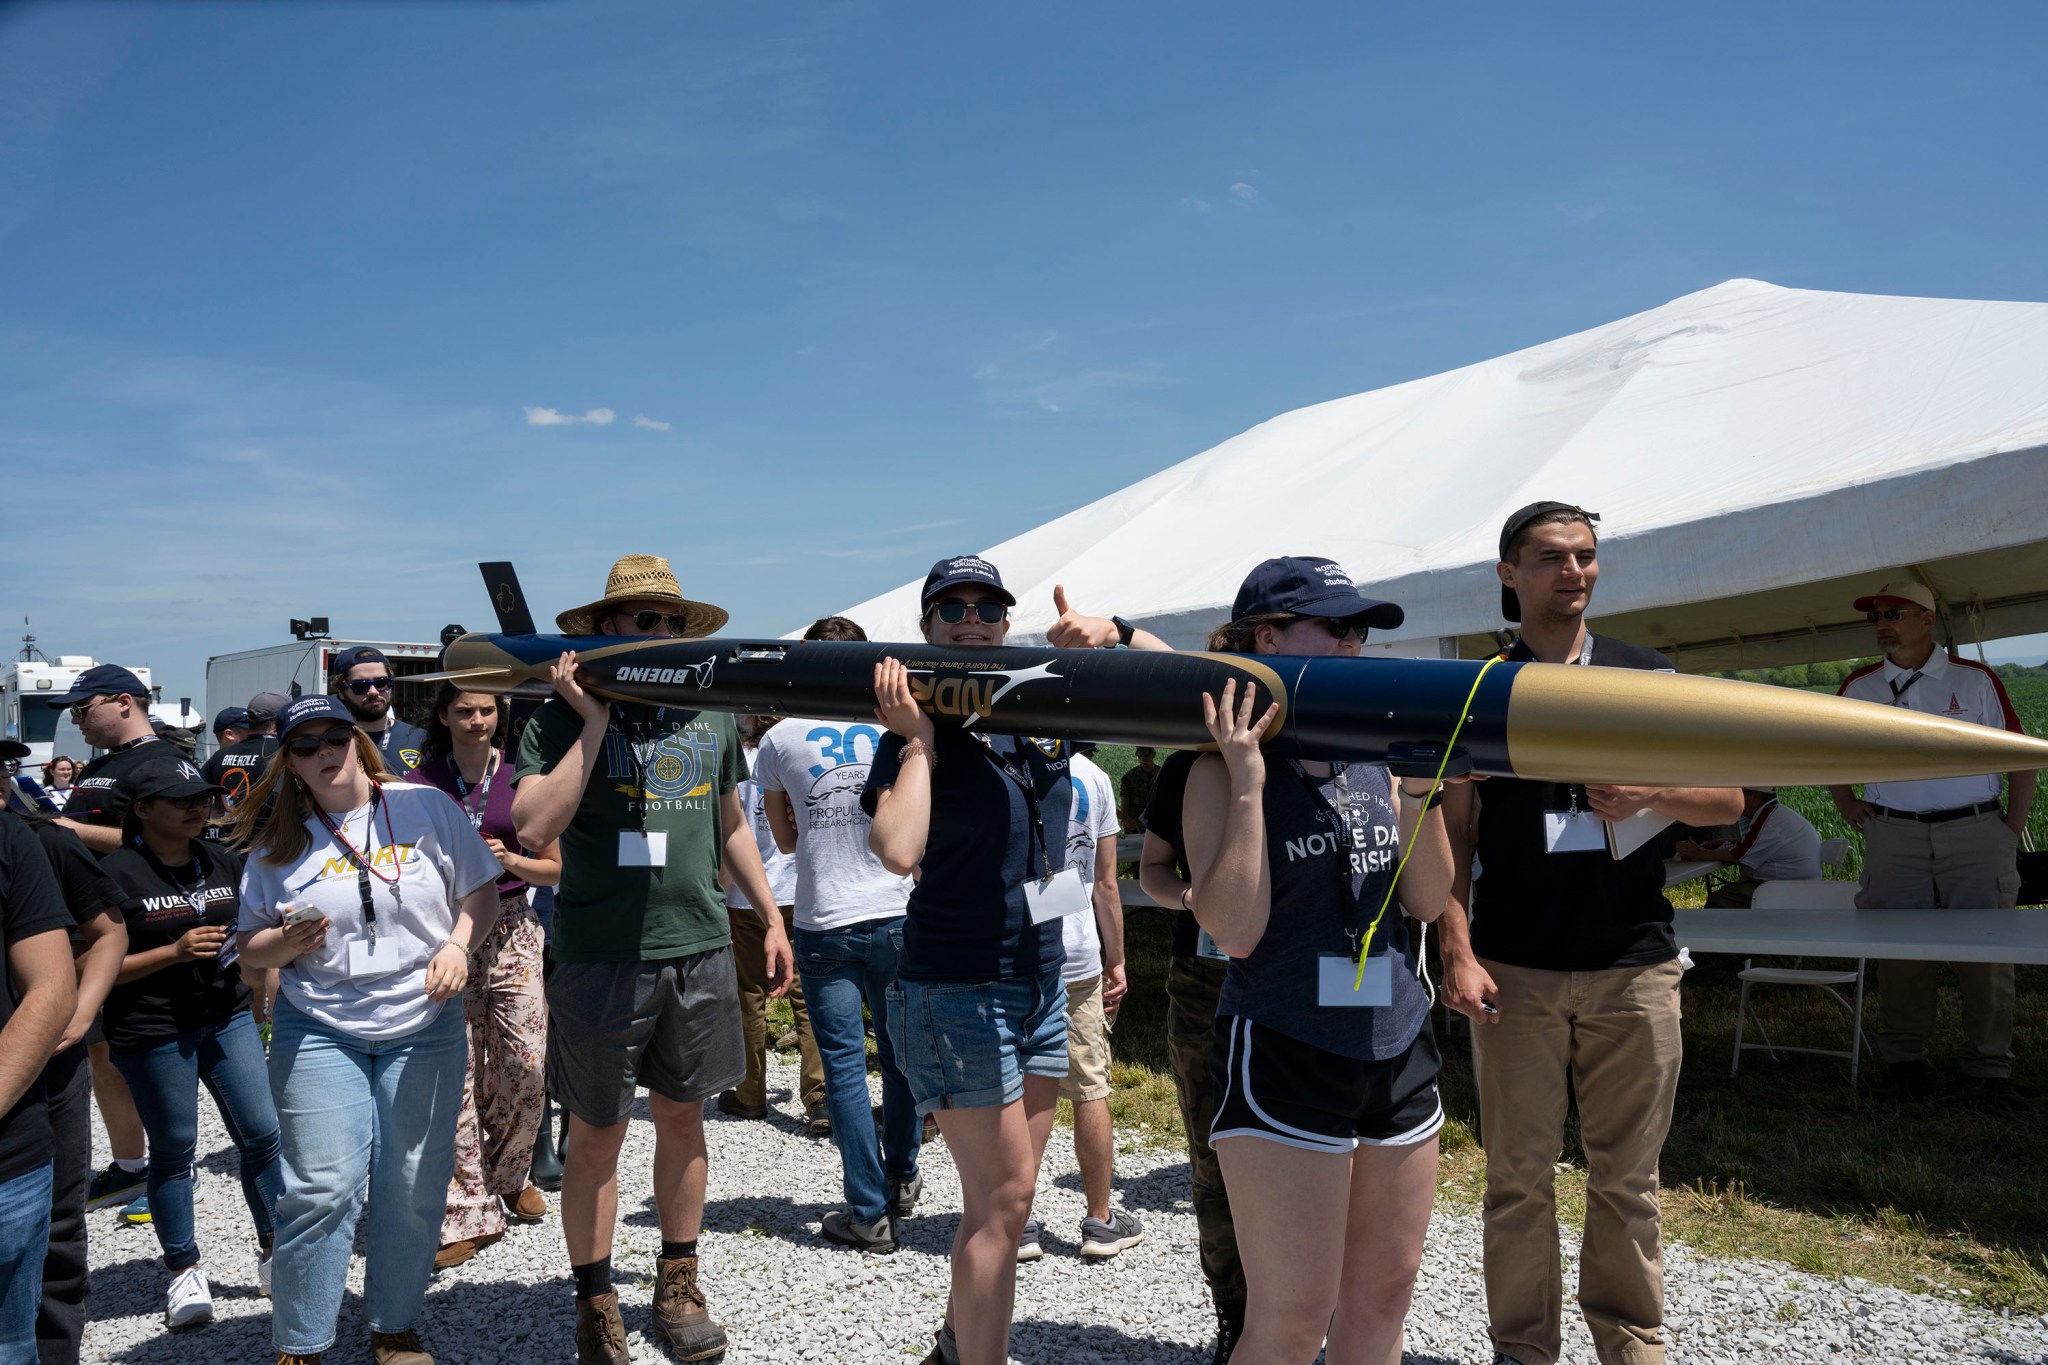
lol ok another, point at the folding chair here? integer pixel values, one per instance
(1793, 897)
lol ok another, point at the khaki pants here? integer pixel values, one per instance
(1966, 864)
(749, 939)
(1614, 1033)
(1192, 988)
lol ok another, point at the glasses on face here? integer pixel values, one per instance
(188, 802)
(1338, 626)
(79, 709)
(364, 686)
(1888, 614)
(333, 739)
(953, 611)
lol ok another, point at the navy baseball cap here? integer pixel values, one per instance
(961, 569)
(318, 706)
(102, 680)
(361, 654)
(227, 717)
(1309, 585)
(1510, 605)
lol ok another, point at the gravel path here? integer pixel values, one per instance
(787, 1296)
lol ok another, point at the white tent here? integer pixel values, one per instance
(1759, 456)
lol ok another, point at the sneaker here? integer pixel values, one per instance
(530, 1207)
(729, 1103)
(1028, 1248)
(817, 1121)
(263, 1274)
(398, 1348)
(904, 1194)
(114, 1186)
(1228, 1330)
(137, 1210)
(601, 1332)
(681, 1313)
(190, 1301)
(1101, 1240)
(842, 1227)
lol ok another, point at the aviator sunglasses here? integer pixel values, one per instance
(1338, 626)
(676, 622)
(1888, 614)
(953, 611)
(364, 686)
(334, 739)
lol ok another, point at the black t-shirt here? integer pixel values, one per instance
(1566, 912)
(157, 902)
(31, 903)
(87, 891)
(96, 798)
(966, 918)
(1162, 817)
(239, 765)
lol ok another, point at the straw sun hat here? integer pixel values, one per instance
(643, 578)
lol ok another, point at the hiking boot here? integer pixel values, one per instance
(729, 1103)
(1101, 1240)
(1028, 1248)
(842, 1227)
(453, 1254)
(530, 1207)
(114, 1186)
(817, 1121)
(600, 1331)
(398, 1348)
(945, 1350)
(1229, 1327)
(904, 1194)
(681, 1313)
(190, 1300)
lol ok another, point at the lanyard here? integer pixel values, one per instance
(1899, 690)
(363, 858)
(641, 737)
(193, 895)
(483, 790)
(1024, 784)
(1339, 812)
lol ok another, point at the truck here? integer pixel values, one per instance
(299, 668)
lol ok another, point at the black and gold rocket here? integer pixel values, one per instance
(1544, 721)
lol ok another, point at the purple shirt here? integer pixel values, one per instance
(488, 804)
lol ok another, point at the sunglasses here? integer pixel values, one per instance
(334, 739)
(1338, 626)
(953, 611)
(1889, 614)
(80, 709)
(676, 622)
(187, 802)
(363, 686)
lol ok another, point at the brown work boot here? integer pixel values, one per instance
(600, 1332)
(398, 1348)
(454, 1254)
(681, 1314)
(530, 1207)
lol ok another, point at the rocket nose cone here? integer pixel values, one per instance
(1625, 726)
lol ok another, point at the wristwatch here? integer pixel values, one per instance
(1124, 631)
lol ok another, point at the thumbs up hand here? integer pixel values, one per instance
(1075, 630)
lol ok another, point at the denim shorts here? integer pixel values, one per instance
(970, 1044)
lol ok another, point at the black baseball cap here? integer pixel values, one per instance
(1309, 585)
(318, 706)
(173, 777)
(102, 680)
(360, 654)
(1510, 605)
(230, 717)
(13, 749)
(959, 569)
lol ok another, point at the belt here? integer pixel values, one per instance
(1938, 817)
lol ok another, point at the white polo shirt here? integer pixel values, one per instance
(1943, 686)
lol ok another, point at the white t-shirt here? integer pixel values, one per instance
(821, 765)
(780, 866)
(1093, 818)
(1779, 845)
(1943, 686)
(440, 860)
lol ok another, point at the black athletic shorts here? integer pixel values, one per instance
(1278, 1088)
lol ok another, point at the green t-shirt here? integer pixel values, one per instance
(608, 913)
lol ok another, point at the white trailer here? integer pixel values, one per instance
(26, 715)
(299, 669)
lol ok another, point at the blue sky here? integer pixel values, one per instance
(859, 284)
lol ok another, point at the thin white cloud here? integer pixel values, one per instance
(1244, 193)
(547, 417)
(1199, 204)
(600, 417)
(650, 424)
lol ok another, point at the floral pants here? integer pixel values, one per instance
(503, 1094)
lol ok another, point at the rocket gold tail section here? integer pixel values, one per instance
(1629, 727)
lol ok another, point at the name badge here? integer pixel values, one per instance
(643, 849)
(1205, 947)
(1573, 831)
(367, 961)
(1057, 896)
(1336, 972)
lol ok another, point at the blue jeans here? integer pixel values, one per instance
(165, 1077)
(360, 1118)
(842, 969)
(24, 1237)
(970, 1044)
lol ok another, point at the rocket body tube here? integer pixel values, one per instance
(1543, 721)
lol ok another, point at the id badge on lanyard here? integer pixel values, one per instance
(1339, 982)
(1573, 830)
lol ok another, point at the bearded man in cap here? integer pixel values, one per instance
(362, 678)
(642, 988)
(1939, 844)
